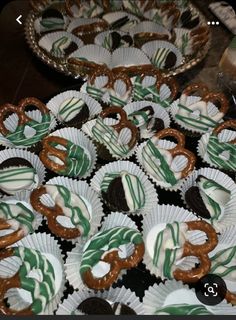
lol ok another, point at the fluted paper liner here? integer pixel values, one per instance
(79, 138)
(11, 124)
(72, 265)
(151, 196)
(47, 245)
(150, 26)
(101, 37)
(151, 47)
(227, 217)
(120, 295)
(55, 103)
(175, 292)
(29, 156)
(82, 189)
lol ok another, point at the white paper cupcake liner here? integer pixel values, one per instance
(72, 265)
(128, 57)
(227, 239)
(29, 156)
(179, 163)
(47, 41)
(90, 197)
(159, 112)
(87, 129)
(47, 245)
(11, 124)
(150, 48)
(54, 104)
(163, 214)
(77, 137)
(114, 16)
(151, 196)
(175, 292)
(227, 217)
(93, 53)
(150, 27)
(23, 197)
(224, 136)
(121, 295)
(76, 22)
(211, 109)
(104, 39)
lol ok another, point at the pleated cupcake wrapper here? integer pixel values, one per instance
(150, 27)
(82, 189)
(79, 138)
(151, 47)
(212, 109)
(11, 124)
(159, 112)
(55, 103)
(175, 292)
(72, 265)
(23, 197)
(151, 197)
(120, 295)
(48, 246)
(228, 216)
(116, 15)
(93, 53)
(29, 156)
(46, 42)
(129, 57)
(165, 144)
(224, 136)
(76, 22)
(103, 95)
(226, 239)
(101, 38)
(87, 129)
(168, 214)
(161, 97)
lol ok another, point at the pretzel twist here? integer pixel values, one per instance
(123, 123)
(94, 253)
(200, 251)
(179, 148)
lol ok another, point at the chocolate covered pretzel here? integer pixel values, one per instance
(18, 136)
(41, 291)
(66, 204)
(200, 251)
(179, 149)
(16, 217)
(73, 160)
(104, 247)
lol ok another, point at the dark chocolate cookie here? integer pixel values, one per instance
(170, 60)
(96, 306)
(120, 308)
(195, 202)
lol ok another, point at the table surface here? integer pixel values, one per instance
(23, 75)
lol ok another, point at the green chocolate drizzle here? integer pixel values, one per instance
(183, 309)
(223, 263)
(18, 213)
(105, 241)
(41, 291)
(73, 206)
(151, 155)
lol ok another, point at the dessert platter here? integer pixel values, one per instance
(116, 198)
(172, 37)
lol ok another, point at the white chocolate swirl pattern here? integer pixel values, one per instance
(223, 263)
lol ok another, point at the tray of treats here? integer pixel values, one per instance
(117, 197)
(78, 37)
